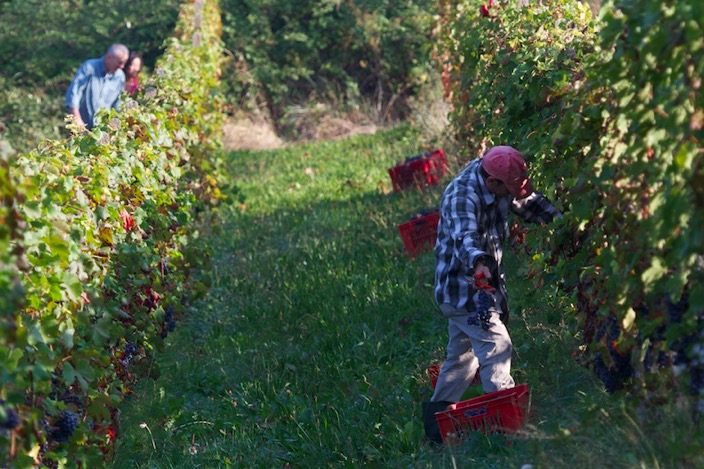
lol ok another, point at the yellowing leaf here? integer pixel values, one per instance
(655, 272)
(629, 319)
(105, 235)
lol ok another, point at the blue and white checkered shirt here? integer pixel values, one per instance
(473, 224)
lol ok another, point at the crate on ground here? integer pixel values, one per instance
(419, 171)
(420, 233)
(433, 371)
(497, 412)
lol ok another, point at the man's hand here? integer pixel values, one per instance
(77, 121)
(480, 268)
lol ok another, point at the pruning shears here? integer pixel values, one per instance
(481, 284)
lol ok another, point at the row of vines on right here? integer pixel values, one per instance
(608, 110)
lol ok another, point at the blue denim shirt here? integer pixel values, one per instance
(92, 89)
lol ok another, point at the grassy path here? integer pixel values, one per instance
(311, 347)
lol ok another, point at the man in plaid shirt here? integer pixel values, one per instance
(473, 225)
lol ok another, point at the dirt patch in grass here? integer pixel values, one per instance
(333, 128)
(249, 134)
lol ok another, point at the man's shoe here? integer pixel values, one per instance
(432, 431)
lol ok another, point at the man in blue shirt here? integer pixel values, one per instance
(474, 215)
(97, 85)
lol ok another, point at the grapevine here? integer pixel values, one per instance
(96, 238)
(609, 115)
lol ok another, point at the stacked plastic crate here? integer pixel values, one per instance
(418, 172)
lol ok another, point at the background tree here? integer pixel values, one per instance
(43, 43)
(293, 52)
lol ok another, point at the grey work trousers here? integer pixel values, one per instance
(470, 348)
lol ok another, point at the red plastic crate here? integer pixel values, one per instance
(502, 411)
(420, 234)
(424, 170)
(433, 371)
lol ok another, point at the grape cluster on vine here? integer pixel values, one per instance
(614, 369)
(64, 426)
(169, 322)
(74, 400)
(129, 353)
(9, 420)
(130, 350)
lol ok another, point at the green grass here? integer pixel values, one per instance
(310, 349)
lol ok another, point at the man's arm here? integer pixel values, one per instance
(462, 212)
(75, 91)
(76, 116)
(120, 78)
(116, 104)
(536, 208)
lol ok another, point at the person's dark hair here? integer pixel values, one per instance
(483, 171)
(133, 55)
(485, 175)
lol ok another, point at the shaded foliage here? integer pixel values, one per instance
(287, 52)
(97, 231)
(610, 115)
(44, 41)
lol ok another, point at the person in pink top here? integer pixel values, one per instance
(132, 69)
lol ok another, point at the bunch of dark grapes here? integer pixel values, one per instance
(73, 399)
(64, 426)
(619, 370)
(55, 384)
(9, 420)
(130, 350)
(609, 377)
(684, 345)
(169, 322)
(484, 302)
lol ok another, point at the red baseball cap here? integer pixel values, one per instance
(508, 166)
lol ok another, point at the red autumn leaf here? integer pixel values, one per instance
(518, 234)
(127, 220)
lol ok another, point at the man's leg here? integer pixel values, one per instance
(456, 373)
(459, 367)
(492, 349)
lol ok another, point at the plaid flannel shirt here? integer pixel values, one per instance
(473, 224)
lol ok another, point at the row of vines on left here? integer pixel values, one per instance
(98, 252)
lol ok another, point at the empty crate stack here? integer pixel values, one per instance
(420, 232)
(419, 171)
